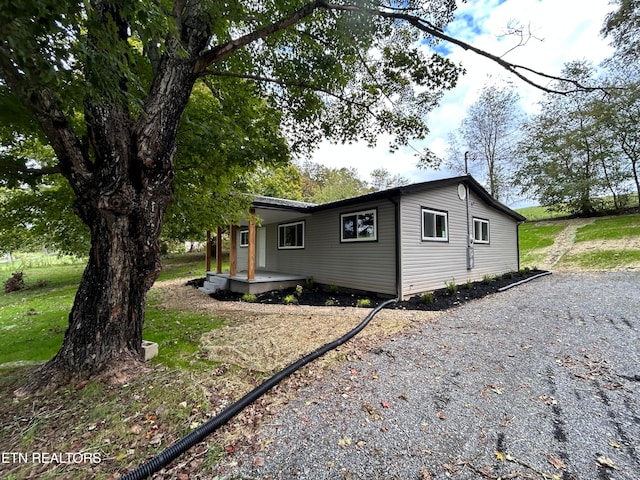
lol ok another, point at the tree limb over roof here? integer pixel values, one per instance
(524, 73)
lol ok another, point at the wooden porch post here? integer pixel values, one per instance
(233, 259)
(207, 256)
(251, 261)
(219, 250)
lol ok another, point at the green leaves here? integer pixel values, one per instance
(338, 74)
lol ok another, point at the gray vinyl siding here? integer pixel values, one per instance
(367, 266)
(500, 255)
(427, 265)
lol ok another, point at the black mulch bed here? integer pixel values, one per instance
(440, 299)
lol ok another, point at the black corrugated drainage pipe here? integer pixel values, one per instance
(507, 287)
(200, 433)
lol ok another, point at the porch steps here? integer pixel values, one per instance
(214, 283)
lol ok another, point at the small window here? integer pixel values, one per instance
(291, 235)
(434, 225)
(359, 226)
(480, 230)
(244, 238)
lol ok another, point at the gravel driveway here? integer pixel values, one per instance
(540, 381)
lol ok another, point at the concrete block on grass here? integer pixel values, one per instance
(149, 350)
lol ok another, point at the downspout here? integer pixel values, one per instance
(469, 240)
(396, 203)
(518, 242)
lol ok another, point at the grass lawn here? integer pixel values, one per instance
(602, 259)
(542, 213)
(534, 237)
(610, 228)
(33, 320)
(99, 418)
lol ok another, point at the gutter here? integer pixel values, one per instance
(398, 272)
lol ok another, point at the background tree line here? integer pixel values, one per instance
(579, 149)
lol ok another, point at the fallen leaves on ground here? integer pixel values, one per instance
(425, 474)
(556, 462)
(344, 442)
(371, 410)
(606, 462)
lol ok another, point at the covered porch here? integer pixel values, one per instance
(255, 278)
(263, 281)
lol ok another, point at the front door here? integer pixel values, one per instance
(261, 247)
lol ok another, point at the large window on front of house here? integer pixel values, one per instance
(480, 230)
(291, 235)
(435, 225)
(359, 226)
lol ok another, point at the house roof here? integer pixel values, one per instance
(273, 202)
(305, 207)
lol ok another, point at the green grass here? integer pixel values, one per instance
(540, 213)
(178, 335)
(33, 320)
(187, 265)
(602, 259)
(534, 236)
(610, 228)
(602, 204)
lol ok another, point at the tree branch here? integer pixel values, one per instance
(429, 28)
(224, 50)
(394, 13)
(288, 83)
(41, 101)
(24, 171)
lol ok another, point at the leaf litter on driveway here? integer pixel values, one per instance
(542, 386)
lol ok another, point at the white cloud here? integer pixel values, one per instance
(569, 29)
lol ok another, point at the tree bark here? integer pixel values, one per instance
(122, 199)
(104, 335)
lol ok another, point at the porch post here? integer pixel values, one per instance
(207, 255)
(219, 250)
(251, 261)
(233, 260)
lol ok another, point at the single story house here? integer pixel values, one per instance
(397, 242)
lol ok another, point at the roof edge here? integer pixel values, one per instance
(306, 207)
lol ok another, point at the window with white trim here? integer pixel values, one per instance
(244, 238)
(480, 230)
(291, 235)
(359, 226)
(435, 225)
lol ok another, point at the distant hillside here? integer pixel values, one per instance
(538, 213)
(603, 243)
(605, 205)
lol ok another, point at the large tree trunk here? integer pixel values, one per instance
(121, 173)
(122, 199)
(105, 324)
(104, 335)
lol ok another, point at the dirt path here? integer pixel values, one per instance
(564, 242)
(566, 246)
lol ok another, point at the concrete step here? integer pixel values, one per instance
(212, 284)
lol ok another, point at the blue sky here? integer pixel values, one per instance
(565, 30)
